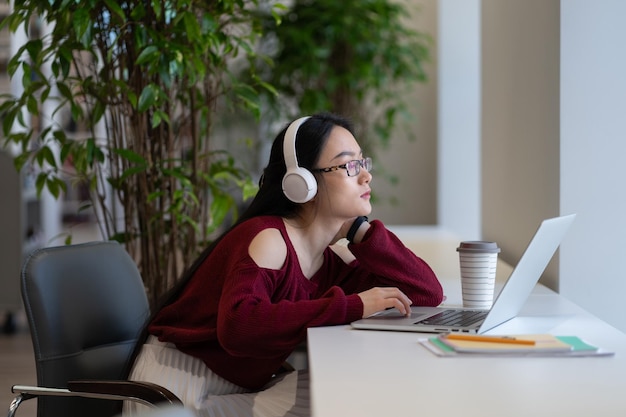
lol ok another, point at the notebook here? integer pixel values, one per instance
(507, 304)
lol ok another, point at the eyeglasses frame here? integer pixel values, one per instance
(360, 163)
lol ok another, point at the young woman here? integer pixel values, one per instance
(246, 304)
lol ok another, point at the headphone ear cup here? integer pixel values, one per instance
(299, 185)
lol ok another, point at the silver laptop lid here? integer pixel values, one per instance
(532, 264)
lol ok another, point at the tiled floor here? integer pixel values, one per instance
(17, 366)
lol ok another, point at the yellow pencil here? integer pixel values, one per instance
(490, 339)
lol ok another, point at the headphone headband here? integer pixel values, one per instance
(289, 143)
(299, 184)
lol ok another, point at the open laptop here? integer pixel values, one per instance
(506, 306)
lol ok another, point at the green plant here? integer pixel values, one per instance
(144, 79)
(352, 57)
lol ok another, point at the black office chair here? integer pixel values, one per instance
(86, 305)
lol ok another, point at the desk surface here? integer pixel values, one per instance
(375, 373)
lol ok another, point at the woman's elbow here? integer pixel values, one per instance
(433, 296)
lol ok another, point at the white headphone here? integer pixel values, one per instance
(299, 184)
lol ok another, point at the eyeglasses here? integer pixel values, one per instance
(353, 168)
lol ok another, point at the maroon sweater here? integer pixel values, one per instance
(243, 321)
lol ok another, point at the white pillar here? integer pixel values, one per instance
(459, 160)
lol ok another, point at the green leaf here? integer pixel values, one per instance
(85, 206)
(32, 105)
(131, 156)
(131, 171)
(8, 121)
(65, 60)
(34, 48)
(139, 12)
(147, 98)
(55, 186)
(220, 206)
(81, 23)
(268, 87)
(149, 54)
(132, 99)
(160, 116)
(122, 237)
(45, 154)
(249, 190)
(191, 26)
(66, 150)
(59, 136)
(179, 175)
(98, 112)
(40, 182)
(114, 7)
(91, 151)
(248, 95)
(45, 93)
(20, 160)
(65, 91)
(155, 195)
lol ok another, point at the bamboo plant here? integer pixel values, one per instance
(144, 80)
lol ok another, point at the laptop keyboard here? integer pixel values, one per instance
(457, 318)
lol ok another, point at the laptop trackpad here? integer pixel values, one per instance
(422, 313)
(417, 313)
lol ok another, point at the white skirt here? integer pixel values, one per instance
(208, 394)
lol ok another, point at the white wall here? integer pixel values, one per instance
(593, 150)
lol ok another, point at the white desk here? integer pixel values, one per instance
(365, 373)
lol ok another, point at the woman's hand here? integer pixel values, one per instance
(343, 231)
(379, 299)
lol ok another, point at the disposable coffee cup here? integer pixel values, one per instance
(478, 261)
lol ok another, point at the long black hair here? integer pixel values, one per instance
(269, 200)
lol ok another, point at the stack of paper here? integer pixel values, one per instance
(518, 345)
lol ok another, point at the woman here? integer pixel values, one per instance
(245, 305)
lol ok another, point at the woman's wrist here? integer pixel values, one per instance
(358, 229)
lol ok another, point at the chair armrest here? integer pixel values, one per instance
(145, 392)
(142, 392)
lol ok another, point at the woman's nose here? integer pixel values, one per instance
(365, 175)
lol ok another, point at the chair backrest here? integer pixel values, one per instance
(86, 306)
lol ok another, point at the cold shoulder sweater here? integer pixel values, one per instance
(244, 321)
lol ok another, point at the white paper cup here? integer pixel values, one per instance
(478, 261)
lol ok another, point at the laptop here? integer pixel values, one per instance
(507, 305)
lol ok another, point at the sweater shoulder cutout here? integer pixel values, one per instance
(268, 249)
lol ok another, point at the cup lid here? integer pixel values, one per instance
(478, 246)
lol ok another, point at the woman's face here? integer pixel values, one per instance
(341, 195)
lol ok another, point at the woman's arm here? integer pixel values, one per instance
(382, 260)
